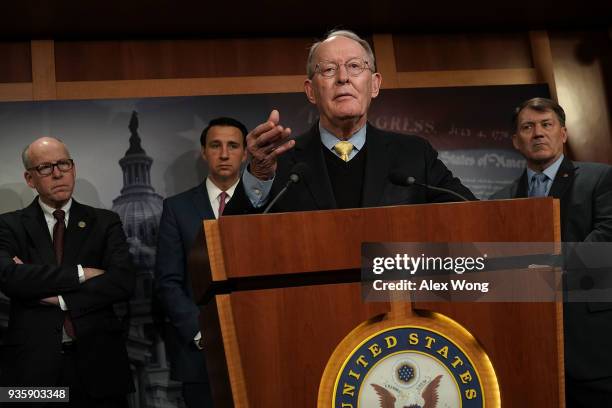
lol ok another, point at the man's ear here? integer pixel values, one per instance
(564, 134)
(309, 90)
(203, 153)
(376, 82)
(515, 141)
(28, 178)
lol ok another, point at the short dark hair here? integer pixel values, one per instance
(540, 105)
(224, 121)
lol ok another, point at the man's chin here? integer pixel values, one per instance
(344, 117)
(225, 174)
(57, 200)
(347, 112)
(542, 157)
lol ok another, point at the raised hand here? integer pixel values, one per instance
(265, 143)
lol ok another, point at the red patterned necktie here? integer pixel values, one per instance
(222, 198)
(59, 230)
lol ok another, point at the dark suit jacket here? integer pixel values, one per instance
(386, 153)
(181, 221)
(31, 348)
(585, 194)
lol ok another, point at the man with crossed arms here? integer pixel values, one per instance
(64, 265)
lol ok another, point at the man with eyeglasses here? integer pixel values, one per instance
(63, 265)
(348, 161)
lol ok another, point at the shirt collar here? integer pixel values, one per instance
(358, 138)
(214, 191)
(550, 171)
(48, 211)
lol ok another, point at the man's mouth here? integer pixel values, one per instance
(343, 96)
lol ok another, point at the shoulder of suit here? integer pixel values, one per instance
(185, 194)
(98, 212)
(11, 215)
(591, 166)
(25, 211)
(91, 211)
(402, 138)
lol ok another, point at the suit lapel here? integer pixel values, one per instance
(80, 224)
(377, 167)
(563, 179)
(202, 203)
(519, 189)
(309, 150)
(36, 227)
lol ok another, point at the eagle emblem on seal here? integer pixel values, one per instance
(429, 395)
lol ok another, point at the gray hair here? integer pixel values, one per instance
(25, 157)
(25, 154)
(311, 64)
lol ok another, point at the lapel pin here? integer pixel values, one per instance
(565, 175)
(82, 224)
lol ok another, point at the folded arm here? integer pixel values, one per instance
(111, 284)
(30, 281)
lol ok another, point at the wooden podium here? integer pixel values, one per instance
(279, 292)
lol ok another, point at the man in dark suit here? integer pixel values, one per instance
(585, 194)
(223, 148)
(347, 161)
(63, 265)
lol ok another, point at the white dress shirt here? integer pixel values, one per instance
(214, 193)
(50, 219)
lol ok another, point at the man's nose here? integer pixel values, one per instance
(56, 172)
(342, 75)
(224, 152)
(538, 130)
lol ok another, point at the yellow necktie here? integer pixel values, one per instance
(344, 148)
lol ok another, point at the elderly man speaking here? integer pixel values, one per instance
(343, 161)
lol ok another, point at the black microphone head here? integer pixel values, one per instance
(399, 179)
(299, 172)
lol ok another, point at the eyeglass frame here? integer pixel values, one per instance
(53, 166)
(365, 62)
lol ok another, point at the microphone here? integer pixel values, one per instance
(299, 172)
(400, 179)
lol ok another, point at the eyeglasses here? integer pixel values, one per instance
(46, 169)
(354, 67)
